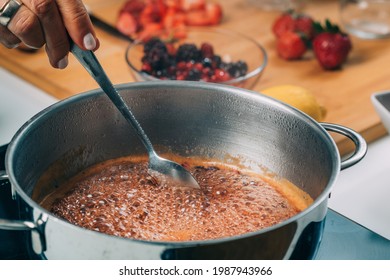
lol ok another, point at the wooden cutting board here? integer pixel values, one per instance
(345, 93)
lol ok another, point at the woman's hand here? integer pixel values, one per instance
(47, 22)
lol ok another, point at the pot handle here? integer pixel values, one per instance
(3, 178)
(357, 139)
(38, 239)
(36, 228)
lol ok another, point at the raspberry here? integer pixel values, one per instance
(221, 75)
(207, 50)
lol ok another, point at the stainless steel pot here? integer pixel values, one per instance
(186, 118)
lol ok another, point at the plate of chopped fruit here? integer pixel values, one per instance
(140, 18)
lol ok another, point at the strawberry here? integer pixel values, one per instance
(146, 16)
(211, 15)
(127, 24)
(214, 13)
(293, 21)
(133, 7)
(150, 30)
(305, 24)
(153, 12)
(173, 18)
(188, 5)
(291, 45)
(196, 18)
(331, 46)
(173, 4)
(285, 22)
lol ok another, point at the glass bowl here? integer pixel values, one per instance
(366, 19)
(230, 47)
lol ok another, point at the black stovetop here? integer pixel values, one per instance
(342, 238)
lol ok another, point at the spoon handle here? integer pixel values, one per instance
(92, 65)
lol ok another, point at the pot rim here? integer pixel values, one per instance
(45, 113)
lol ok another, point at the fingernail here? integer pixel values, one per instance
(14, 46)
(63, 63)
(89, 42)
(32, 47)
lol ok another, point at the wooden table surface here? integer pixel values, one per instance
(345, 93)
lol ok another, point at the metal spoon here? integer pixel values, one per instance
(156, 163)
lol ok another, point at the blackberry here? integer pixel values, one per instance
(157, 58)
(216, 61)
(207, 62)
(188, 52)
(194, 75)
(243, 67)
(161, 73)
(236, 69)
(154, 43)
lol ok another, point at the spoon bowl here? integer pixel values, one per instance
(171, 170)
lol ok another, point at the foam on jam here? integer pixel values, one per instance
(120, 197)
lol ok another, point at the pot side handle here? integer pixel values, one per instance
(10, 224)
(36, 228)
(3, 178)
(357, 139)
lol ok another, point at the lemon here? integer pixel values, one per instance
(298, 97)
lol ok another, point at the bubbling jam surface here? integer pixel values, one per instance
(120, 197)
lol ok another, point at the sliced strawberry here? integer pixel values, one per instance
(197, 18)
(127, 24)
(153, 12)
(173, 18)
(214, 13)
(291, 45)
(173, 4)
(210, 16)
(133, 7)
(180, 32)
(168, 14)
(150, 30)
(190, 5)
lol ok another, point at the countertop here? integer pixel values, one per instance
(361, 192)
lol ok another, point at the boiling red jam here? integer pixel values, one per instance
(121, 198)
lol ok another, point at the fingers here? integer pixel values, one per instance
(78, 24)
(50, 23)
(8, 39)
(25, 25)
(7, 11)
(54, 32)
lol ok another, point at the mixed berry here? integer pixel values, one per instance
(188, 62)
